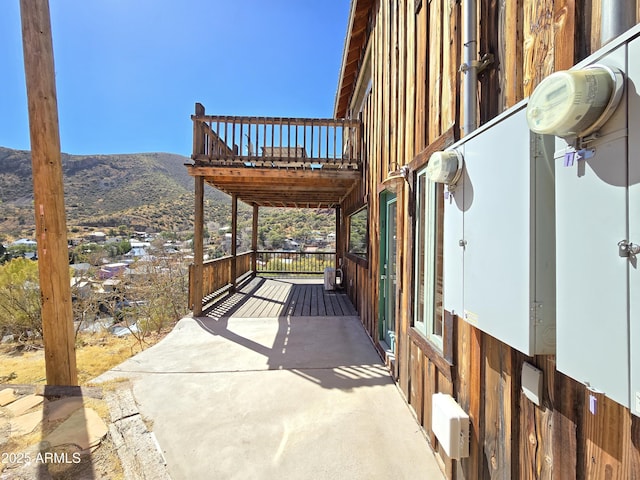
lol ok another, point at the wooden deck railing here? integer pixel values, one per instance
(305, 263)
(216, 274)
(253, 141)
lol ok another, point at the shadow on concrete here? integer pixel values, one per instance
(330, 351)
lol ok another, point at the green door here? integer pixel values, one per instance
(388, 271)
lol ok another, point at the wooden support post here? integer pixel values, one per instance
(338, 237)
(198, 246)
(48, 193)
(254, 240)
(234, 236)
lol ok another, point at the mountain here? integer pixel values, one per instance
(145, 191)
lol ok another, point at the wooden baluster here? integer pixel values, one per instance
(273, 132)
(326, 152)
(288, 139)
(264, 138)
(304, 137)
(335, 139)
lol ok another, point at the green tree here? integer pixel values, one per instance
(5, 256)
(20, 299)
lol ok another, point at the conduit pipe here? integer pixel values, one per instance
(618, 16)
(470, 66)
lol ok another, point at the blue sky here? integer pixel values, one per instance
(128, 72)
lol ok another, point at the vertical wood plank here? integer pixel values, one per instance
(422, 79)
(634, 460)
(497, 411)
(564, 44)
(538, 43)
(536, 431)
(402, 83)
(596, 26)
(489, 84)
(567, 447)
(435, 69)
(450, 63)
(603, 451)
(48, 192)
(411, 81)
(430, 387)
(417, 384)
(466, 468)
(406, 264)
(394, 94)
(510, 52)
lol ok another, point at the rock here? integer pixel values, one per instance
(24, 404)
(26, 423)
(5, 431)
(61, 409)
(83, 428)
(7, 396)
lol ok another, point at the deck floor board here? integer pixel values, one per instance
(277, 297)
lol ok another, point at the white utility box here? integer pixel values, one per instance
(499, 228)
(450, 425)
(598, 225)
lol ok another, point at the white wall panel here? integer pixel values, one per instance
(633, 91)
(591, 218)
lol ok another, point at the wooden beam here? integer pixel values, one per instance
(48, 192)
(274, 173)
(198, 247)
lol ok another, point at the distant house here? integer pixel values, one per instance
(111, 270)
(291, 244)
(80, 269)
(97, 237)
(26, 242)
(79, 287)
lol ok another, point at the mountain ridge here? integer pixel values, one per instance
(151, 191)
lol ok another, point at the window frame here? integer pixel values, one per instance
(356, 255)
(428, 318)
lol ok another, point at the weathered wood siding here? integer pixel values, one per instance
(415, 103)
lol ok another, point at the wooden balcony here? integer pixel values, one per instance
(279, 162)
(221, 275)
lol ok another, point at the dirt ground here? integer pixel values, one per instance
(21, 367)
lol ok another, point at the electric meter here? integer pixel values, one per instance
(575, 102)
(445, 167)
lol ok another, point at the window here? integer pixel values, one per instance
(358, 229)
(428, 318)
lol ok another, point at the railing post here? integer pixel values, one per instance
(234, 236)
(198, 246)
(198, 134)
(254, 240)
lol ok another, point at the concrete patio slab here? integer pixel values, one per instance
(279, 398)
